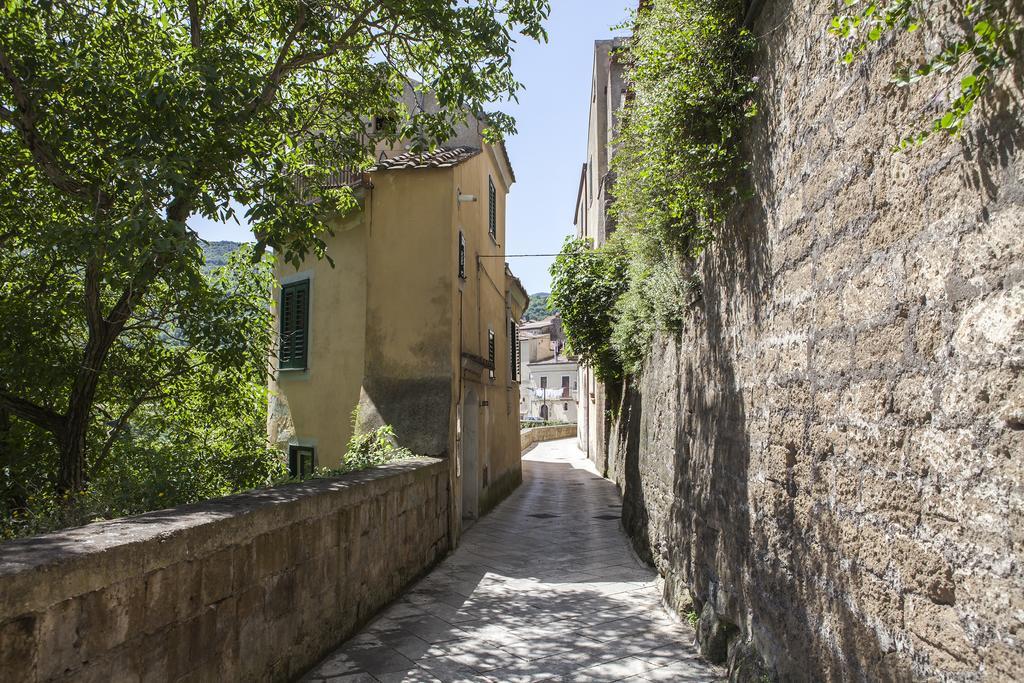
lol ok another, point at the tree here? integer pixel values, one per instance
(538, 308)
(586, 284)
(121, 120)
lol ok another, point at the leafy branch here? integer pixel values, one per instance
(969, 62)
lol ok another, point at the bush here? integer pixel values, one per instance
(678, 165)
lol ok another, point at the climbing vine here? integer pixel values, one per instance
(585, 284)
(965, 65)
(678, 164)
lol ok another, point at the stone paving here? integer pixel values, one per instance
(543, 588)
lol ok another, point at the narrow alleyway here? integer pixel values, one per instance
(545, 587)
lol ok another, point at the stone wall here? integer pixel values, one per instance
(528, 437)
(252, 587)
(826, 464)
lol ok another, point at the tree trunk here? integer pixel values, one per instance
(71, 476)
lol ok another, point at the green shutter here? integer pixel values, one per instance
(492, 206)
(294, 349)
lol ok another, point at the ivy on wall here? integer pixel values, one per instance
(677, 167)
(974, 46)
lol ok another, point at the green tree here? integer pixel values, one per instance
(538, 308)
(586, 283)
(120, 120)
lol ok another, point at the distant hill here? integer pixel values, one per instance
(538, 308)
(217, 253)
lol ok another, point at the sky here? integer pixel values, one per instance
(551, 145)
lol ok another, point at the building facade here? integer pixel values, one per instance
(550, 380)
(608, 95)
(413, 327)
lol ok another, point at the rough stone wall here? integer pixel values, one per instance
(826, 464)
(254, 587)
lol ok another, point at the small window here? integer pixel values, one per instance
(492, 209)
(543, 382)
(490, 352)
(565, 406)
(301, 461)
(462, 256)
(294, 349)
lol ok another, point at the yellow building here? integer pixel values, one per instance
(414, 326)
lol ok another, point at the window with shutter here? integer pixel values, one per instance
(301, 461)
(462, 255)
(492, 207)
(294, 347)
(513, 347)
(490, 352)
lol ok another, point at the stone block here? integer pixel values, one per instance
(18, 643)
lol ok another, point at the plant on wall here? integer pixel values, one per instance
(975, 45)
(586, 284)
(678, 161)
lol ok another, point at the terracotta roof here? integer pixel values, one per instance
(442, 157)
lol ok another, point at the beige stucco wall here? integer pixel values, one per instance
(313, 407)
(480, 303)
(410, 268)
(390, 322)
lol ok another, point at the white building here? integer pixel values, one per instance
(550, 380)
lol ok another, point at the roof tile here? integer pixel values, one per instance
(442, 157)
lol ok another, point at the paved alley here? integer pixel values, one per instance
(543, 588)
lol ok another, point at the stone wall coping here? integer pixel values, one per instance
(39, 571)
(532, 435)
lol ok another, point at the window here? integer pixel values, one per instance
(301, 461)
(462, 256)
(490, 352)
(543, 382)
(565, 386)
(294, 326)
(513, 350)
(492, 209)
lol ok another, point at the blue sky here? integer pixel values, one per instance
(550, 148)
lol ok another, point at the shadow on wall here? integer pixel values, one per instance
(418, 409)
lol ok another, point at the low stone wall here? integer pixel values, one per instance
(528, 437)
(257, 586)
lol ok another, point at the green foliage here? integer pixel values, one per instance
(216, 254)
(366, 451)
(538, 308)
(182, 411)
(586, 283)
(373, 448)
(120, 121)
(678, 165)
(964, 66)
